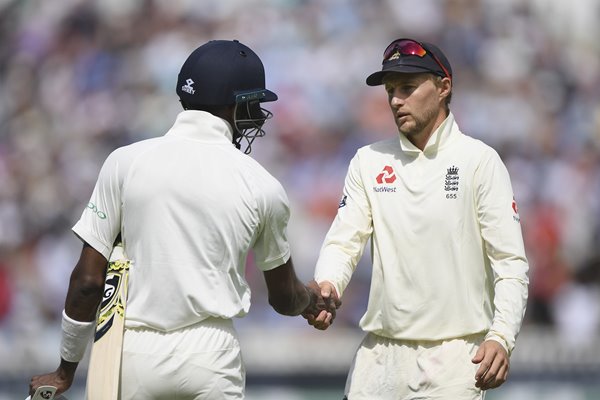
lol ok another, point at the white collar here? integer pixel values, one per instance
(202, 126)
(440, 137)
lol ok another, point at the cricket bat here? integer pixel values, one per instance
(45, 392)
(105, 360)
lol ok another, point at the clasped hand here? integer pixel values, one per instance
(324, 302)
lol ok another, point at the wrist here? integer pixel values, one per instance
(74, 341)
(499, 339)
(304, 300)
(67, 368)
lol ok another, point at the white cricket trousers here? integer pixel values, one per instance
(203, 361)
(388, 369)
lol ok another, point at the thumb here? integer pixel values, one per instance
(325, 289)
(479, 355)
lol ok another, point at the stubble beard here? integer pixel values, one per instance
(417, 125)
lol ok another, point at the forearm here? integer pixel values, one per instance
(78, 325)
(287, 295)
(335, 266)
(86, 286)
(83, 297)
(293, 303)
(510, 301)
(342, 249)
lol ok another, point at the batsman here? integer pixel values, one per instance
(189, 207)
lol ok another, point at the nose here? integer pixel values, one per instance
(396, 101)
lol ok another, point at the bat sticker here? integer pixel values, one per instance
(112, 303)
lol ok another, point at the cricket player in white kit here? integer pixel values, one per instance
(449, 281)
(189, 206)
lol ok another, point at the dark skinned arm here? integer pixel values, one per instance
(86, 287)
(289, 296)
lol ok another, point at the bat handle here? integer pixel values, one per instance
(43, 393)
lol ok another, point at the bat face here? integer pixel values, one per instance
(110, 290)
(112, 303)
(105, 360)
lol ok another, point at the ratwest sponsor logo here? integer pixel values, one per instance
(384, 189)
(95, 210)
(387, 175)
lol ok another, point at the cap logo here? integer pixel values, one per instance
(188, 86)
(394, 56)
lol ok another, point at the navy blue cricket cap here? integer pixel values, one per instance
(411, 56)
(218, 71)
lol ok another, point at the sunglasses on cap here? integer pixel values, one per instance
(409, 47)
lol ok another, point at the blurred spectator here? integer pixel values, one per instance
(576, 307)
(5, 293)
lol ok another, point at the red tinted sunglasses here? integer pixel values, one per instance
(409, 47)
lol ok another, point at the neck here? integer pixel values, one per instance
(420, 139)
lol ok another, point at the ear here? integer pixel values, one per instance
(445, 85)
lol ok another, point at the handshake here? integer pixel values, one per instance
(324, 301)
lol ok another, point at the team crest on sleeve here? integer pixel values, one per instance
(515, 209)
(343, 201)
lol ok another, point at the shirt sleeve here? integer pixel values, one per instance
(271, 248)
(345, 242)
(100, 222)
(501, 232)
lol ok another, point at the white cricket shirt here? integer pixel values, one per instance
(447, 248)
(189, 206)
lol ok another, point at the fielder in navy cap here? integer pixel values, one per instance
(411, 56)
(449, 272)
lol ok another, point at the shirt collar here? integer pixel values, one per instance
(438, 139)
(202, 126)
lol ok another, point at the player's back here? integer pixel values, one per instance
(192, 206)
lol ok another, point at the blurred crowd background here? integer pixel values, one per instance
(80, 78)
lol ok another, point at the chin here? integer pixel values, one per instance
(405, 130)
